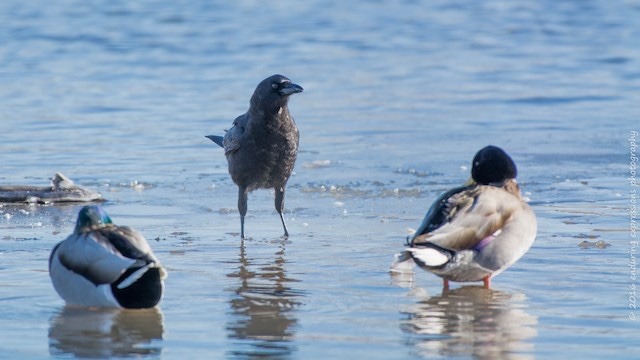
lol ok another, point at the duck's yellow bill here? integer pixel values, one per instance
(470, 182)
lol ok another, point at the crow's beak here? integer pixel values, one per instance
(290, 88)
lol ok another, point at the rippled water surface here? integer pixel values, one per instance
(398, 97)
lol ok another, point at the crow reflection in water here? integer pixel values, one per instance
(263, 306)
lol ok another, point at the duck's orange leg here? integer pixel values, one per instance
(445, 284)
(487, 282)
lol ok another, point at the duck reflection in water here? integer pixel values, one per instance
(263, 306)
(106, 332)
(471, 320)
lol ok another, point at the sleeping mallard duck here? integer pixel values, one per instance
(474, 232)
(105, 265)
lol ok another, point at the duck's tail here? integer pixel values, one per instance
(140, 287)
(430, 255)
(216, 139)
(402, 263)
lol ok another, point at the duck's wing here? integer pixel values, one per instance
(439, 213)
(103, 255)
(93, 257)
(443, 210)
(472, 218)
(128, 242)
(233, 137)
(131, 244)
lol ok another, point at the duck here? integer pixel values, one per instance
(105, 265)
(476, 231)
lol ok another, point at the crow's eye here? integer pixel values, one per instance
(274, 85)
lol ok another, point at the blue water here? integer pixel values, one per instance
(398, 97)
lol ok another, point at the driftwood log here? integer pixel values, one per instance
(62, 189)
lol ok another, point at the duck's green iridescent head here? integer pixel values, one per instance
(492, 165)
(91, 216)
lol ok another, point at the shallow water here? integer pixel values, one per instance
(398, 97)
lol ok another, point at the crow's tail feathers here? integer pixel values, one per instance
(216, 139)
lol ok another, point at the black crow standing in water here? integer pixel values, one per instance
(262, 145)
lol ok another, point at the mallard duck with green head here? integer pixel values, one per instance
(105, 265)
